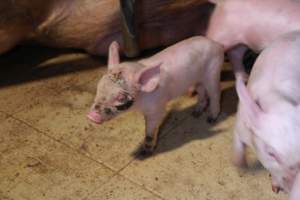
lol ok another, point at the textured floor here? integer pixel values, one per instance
(49, 150)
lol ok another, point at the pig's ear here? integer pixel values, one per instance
(295, 193)
(250, 110)
(113, 55)
(147, 80)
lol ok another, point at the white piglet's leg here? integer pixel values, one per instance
(295, 193)
(239, 156)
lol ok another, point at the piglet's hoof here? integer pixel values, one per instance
(211, 120)
(240, 162)
(147, 150)
(146, 153)
(275, 189)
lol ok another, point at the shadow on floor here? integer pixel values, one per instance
(25, 64)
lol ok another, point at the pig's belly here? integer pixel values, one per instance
(184, 81)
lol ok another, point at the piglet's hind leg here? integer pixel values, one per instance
(295, 193)
(202, 101)
(212, 86)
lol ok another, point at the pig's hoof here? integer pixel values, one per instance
(147, 150)
(146, 153)
(276, 189)
(240, 163)
(211, 120)
(196, 113)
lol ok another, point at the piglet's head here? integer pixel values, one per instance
(118, 90)
(114, 94)
(275, 137)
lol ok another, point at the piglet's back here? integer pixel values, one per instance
(278, 71)
(194, 49)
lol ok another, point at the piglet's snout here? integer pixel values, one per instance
(95, 117)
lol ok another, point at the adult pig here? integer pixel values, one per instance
(147, 85)
(268, 118)
(238, 24)
(93, 24)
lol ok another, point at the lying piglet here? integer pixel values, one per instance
(147, 85)
(268, 118)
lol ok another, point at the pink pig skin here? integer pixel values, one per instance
(94, 117)
(268, 118)
(92, 25)
(154, 81)
(238, 24)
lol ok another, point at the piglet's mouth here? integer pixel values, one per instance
(95, 117)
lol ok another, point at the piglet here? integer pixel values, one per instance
(147, 85)
(268, 118)
(254, 24)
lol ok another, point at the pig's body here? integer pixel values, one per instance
(152, 82)
(93, 24)
(268, 118)
(185, 64)
(252, 23)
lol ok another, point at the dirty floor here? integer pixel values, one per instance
(49, 150)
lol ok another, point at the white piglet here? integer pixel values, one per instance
(147, 85)
(268, 118)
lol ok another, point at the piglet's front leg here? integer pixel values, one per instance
(153, 121)
(295, 193)
(275, 186)
(239, 155)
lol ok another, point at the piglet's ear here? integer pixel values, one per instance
(250, 111)
(113, 55)
(148, 78)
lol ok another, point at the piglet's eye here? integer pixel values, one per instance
(121, 98)
(126, 105)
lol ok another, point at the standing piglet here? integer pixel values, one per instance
(147, 85)
(268, 118)
(238, 24)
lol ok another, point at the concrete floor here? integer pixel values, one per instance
(49, 150)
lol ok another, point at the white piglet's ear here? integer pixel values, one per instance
(148, 78)
(250, 111)
(113, 55)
